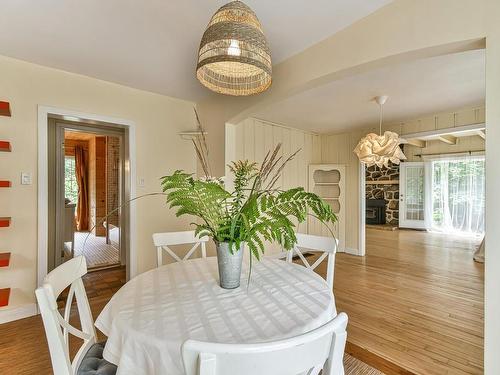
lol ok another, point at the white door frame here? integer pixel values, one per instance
(43, 116)
(362, 210)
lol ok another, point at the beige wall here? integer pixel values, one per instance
(159, 151)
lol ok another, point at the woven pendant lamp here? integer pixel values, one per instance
(234, 57)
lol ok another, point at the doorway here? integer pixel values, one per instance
(91, 170)
(88, 189)
(414, 195)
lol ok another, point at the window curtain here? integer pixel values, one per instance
(458, 195)
(82, 206)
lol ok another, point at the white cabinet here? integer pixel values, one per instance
(328, 181)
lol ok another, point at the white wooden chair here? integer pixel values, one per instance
(58, 327)
(307, 353)
(162, 242)
(309, 242)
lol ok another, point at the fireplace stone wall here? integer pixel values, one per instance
(388, 192)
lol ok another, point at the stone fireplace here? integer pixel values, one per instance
(375, 211)
(383, 184)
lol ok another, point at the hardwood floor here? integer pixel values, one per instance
(23, 346)
(417, 300)
(415, 305)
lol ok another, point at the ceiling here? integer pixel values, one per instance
(418, 88)
(152, 45)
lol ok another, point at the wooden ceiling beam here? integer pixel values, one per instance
(449, 139)
(417, 142)
(432, 134)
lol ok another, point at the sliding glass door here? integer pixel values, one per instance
(458, 198)
(443, 194)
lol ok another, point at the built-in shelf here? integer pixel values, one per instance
(5, 184)
(4, 259)
(4, 109)
(4, 296)
(383, 182)
(328, 182)
(5, 146)
(4, 222)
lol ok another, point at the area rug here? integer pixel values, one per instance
(96, 251)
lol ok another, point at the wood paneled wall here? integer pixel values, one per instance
(443, 120)
(91, 182)
(70, 144)
(97, 183)
(100, 185)
(112, 179)
(253, 138)
(338, 149)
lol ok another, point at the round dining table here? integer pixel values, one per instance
(152, 315)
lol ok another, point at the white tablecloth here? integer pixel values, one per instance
(150, 317)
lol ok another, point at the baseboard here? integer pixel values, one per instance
(352, 251)
(21, 312)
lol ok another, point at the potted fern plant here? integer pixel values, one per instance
(255, 212)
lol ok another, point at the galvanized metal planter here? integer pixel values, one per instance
(229, 265)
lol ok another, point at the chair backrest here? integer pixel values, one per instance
(326, 245)
(57, 326)
(162, 242)
(321, 348)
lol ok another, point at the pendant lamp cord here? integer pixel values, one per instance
(380, 122)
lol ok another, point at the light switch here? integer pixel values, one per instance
(142, 182)
(26, 178)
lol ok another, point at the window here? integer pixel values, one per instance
(70, 184)
(458, 195)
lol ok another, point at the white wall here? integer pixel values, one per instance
(159, 151)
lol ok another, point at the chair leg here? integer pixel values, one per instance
(159, 257)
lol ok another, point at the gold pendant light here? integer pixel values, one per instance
(380, 149)
(234, 57)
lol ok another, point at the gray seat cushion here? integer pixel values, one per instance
(94, 364)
